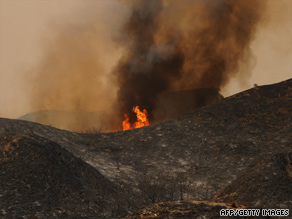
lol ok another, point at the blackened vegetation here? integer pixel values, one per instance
(40, 179)
(273, 173)
(236, 151)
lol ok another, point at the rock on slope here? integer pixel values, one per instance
(203, 155)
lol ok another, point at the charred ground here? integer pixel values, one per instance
(40, 179)
(236, 150)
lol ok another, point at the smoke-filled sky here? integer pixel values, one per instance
(45, 40)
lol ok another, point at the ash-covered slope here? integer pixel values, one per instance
(267, 183)
(40, 179)
(194, 156)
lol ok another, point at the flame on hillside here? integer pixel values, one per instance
(141, 119)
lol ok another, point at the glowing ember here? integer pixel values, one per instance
(141, 121)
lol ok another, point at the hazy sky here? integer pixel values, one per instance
(26, 26)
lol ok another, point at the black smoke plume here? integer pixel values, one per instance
(174, 45)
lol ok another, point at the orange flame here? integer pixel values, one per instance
(142, 119)
(126, 123)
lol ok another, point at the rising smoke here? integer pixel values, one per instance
(147, 68)
(167, 45)
(183, 45)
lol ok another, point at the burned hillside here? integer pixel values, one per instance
(40, 179)
(207, 154)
